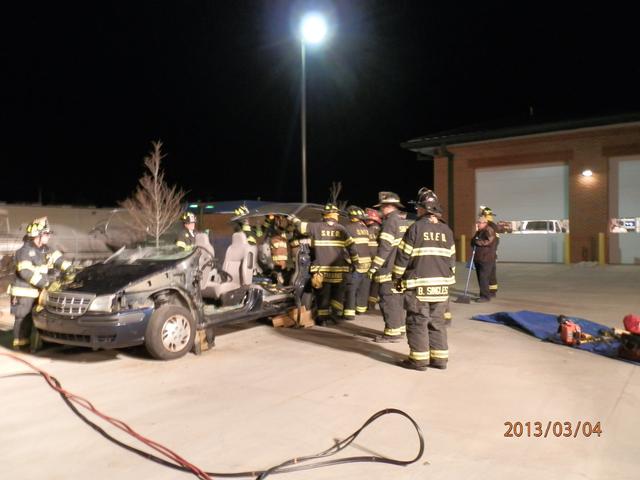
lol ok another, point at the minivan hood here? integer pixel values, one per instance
(103, 279)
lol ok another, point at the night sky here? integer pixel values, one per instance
(87, 86)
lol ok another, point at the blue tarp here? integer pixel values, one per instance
(545, 327)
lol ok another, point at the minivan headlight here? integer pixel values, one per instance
(103, 304)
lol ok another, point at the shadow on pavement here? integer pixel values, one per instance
(349, 338)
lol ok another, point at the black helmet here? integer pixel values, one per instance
(331, 212)
(388, 198)
(429, 201)
(355, 212)
(188, 217)
(330, 208)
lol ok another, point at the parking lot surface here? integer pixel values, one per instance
(263, 395)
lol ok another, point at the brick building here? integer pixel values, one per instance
(583, 176)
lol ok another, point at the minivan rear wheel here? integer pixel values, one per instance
(170, 332)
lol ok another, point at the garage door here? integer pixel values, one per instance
(533, 202)
(624, 211)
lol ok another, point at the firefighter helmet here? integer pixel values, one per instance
(388, 198)
(37, 227)
(486, 212)
(428, 200)
(330, 211)
(188, 217)
(373, 216)
(356, 213)
(241, 210)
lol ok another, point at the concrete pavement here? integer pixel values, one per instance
(264, 395)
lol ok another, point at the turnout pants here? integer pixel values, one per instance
(329, 300)
(353, 282)
(483, 271)
(374, 294)
(392, 308)
(23, 323)
(493, 280)
(362, 294)
(426, 331)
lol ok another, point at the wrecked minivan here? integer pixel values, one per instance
(165, 298)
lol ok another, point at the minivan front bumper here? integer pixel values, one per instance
(116, 330)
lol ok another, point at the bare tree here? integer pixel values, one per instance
(334, 193)
(154, 206)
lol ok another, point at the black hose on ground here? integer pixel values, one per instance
(292, 465)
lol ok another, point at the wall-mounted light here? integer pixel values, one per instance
(587, 173)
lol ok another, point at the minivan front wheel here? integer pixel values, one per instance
(170, 333)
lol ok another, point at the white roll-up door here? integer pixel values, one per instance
(528, 196)
(625, 209)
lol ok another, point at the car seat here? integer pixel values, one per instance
(238, 266)
(206, 263)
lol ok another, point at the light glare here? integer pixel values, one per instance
(313, 28)
(587, 173)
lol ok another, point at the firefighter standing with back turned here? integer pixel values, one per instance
(392, 231)
(331, 245)
(367, 296)
(353, 280)
(425, 267)
(34, 261)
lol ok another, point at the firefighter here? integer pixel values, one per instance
(35, 265)
(485, 241)
(368, 293)
(487, 213)
(332, 246)
(448, 317)
(187, 236)
(425, 269)
(276, 236)
(353, 280)
(392, 230)
(243, 225)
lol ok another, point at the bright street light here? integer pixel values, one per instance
(313, 30)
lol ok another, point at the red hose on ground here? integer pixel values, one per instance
(86, 404)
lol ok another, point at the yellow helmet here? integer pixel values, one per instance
(38, 227)
(241, 210)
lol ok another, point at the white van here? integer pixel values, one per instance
(541, 226)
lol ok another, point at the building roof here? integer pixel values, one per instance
(503, 130)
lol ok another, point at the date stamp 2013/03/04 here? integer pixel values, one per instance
(553, 429)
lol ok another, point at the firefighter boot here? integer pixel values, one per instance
(20, 344)
(411, 364)
(389, 338)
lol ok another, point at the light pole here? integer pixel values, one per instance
(313, 30)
